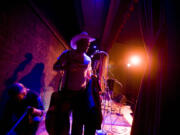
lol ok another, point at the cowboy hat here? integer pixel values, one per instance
(82, 35)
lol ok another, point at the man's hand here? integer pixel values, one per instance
(37, 112)
(34, 111)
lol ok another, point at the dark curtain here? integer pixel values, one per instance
(156, 107)
(118, 13)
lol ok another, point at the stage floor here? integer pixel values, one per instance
(117, 120)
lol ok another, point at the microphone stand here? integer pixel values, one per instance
(16, 124)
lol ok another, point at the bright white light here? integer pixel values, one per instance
(135, 60)
(128, 65)
(126, 111)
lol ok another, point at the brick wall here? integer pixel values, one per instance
(28, 49)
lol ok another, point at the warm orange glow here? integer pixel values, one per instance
(134, 57)
(128, 65)
(135, 60)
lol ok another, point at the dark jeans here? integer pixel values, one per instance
(70, 101)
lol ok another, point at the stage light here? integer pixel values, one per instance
(135, 60)
(128, 65)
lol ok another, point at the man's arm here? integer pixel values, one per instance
(89, 70)
(61, 62)
(37, 110)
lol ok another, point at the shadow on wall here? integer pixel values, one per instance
(35, 79)
(20, 68)
(13, 79)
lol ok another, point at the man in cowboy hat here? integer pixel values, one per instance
(76, 65)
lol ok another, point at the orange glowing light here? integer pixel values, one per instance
(135, 60)
(128, 65)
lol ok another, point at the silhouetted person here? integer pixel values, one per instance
(93, 117)
(25, 104)
(76, 65)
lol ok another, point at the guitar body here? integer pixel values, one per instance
(50, 120)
